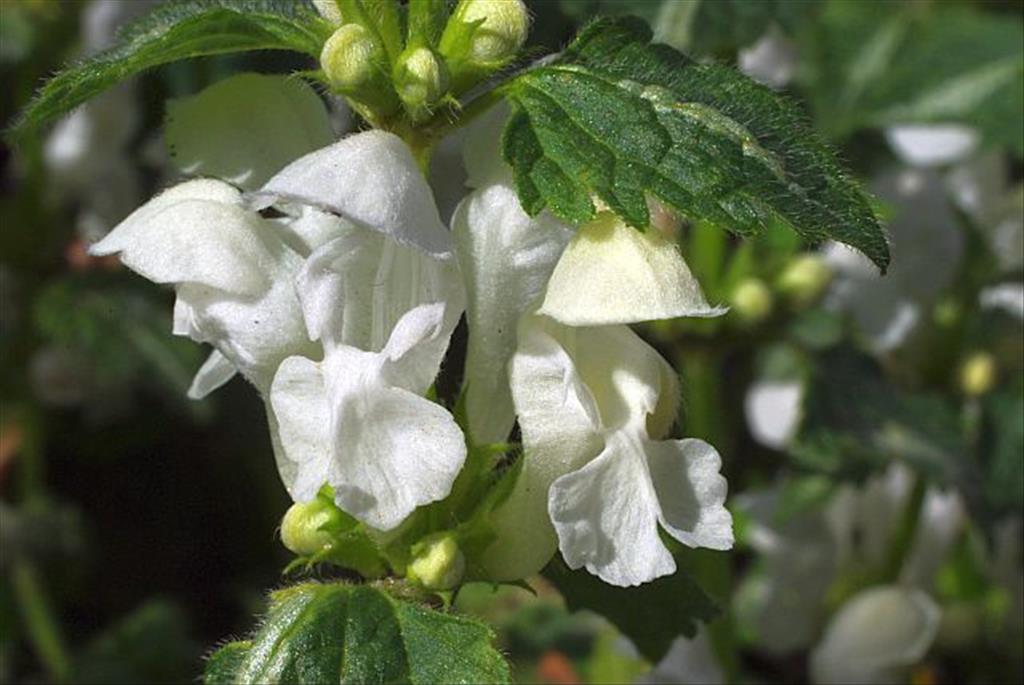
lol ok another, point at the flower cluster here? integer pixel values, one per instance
(323, 274)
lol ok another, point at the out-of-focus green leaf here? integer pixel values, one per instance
(1002, 451)
(877, 64)
(720, 27)
(622, 119)
(651, 615)
(150, 645)
(856, 421)
(335, 633)
(178, 30)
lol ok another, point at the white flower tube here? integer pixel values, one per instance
(589, 402)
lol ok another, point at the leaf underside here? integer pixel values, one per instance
(620, 119)
(175, 31)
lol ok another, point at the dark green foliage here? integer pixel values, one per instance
(619, 118)
(175, 31)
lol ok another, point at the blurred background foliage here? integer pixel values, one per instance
(872, 429)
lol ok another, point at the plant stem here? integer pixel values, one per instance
(42, 628)
(906, 531)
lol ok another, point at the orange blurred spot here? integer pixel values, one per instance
(555, 667)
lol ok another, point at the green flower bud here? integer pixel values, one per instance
(805, 278)
(302, 526)
(438, 563)
(752, 300)
(947, 312)
(421, 79)
(978, 374)
(481, 37)
(502, 31)
(355, 65)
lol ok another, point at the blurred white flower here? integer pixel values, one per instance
(772, 60)
(876, 637)
(687, 662)
(928, 145)
(773, 409)
(926, 245)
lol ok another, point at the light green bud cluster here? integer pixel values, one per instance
(804, 279)
(438, 563)
(304, 526)
(752, 300)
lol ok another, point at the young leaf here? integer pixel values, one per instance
(620, 119)
(652, 615)
(176, 31)
(335, 633)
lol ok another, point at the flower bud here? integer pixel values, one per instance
(502, 31)
(355, 65)
(303, 528)
(752, 300)
(438, 563)
(978, 374)
(421, 79)
(805, 278)
(481, 37)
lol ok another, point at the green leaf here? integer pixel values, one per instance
(878, 64)
(620, 119)
(177, 31)
(652, 615)
(857, 422)
(335, 633)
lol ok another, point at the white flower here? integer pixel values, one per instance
(232, 271)
(772, 60)
(383, 296)
(583, 395)
(689, 661)
(876, 636)
(927, 145)
(773, 409)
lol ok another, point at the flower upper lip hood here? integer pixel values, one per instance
(369, 178)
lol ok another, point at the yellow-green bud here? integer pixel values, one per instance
(438, 563)
(349, 57)
(421, 78)
(947, 312)
(503, 31)
(805, 278)
(752, 300)
(978, 374)
(301, 527)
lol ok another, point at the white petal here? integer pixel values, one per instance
(506, 258)
(932, 144)
(128, 231)
(606, 516)
(688, 662)
(691, 492)
(772, 60)
(1007, 296)
(355, 288)
(481, 152)
(773, 410)
(875, 635)
(215, 372)
(370, 178)
(301, 415)
(611, 273)
(215, 244)
(246, 128)
(561, 432)
(329, 10)
(396, 451)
